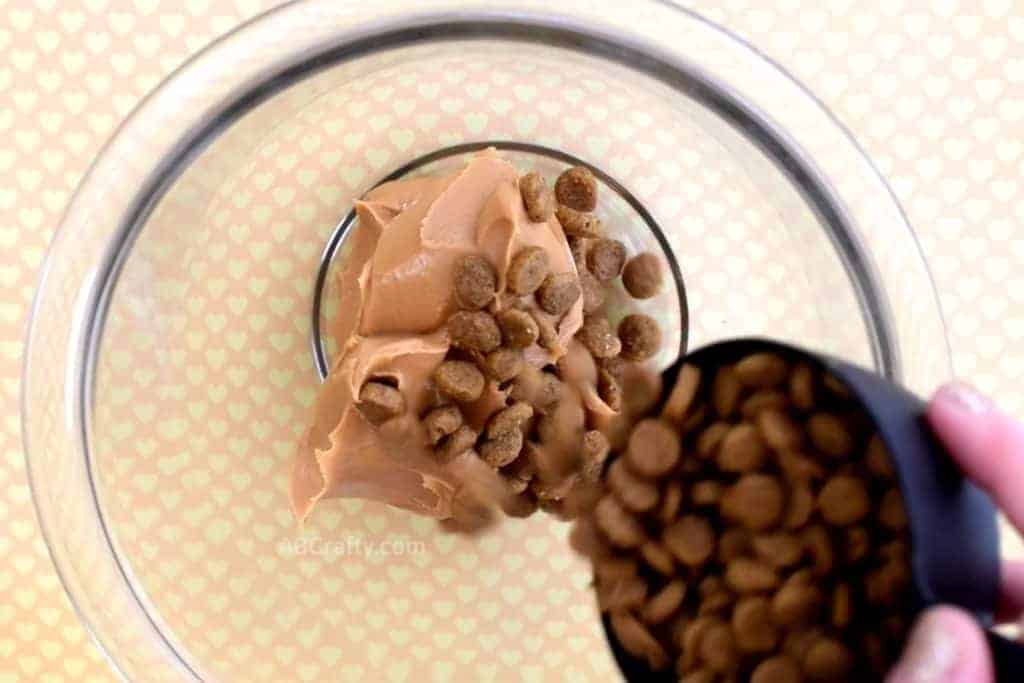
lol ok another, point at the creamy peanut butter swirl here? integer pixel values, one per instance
(396, 291)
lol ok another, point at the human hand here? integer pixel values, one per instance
(947, 645)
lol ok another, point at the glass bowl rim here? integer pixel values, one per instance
(576, 34)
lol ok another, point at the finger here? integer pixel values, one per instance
(946, 645)
(987, 444)
(1011, 593)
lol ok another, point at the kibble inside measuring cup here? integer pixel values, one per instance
(772, 541)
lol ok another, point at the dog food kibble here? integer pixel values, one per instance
(691, 540)
(527, 271)
(665, 602)
(699, 676)
(578, 247)
(518, 328)
(706, 493)
(750, 576)
(475, 282)
(622, 593)
(710, 439)
(716, 604)
(502, 449)
(733, 543)
(818, 546)
(635, 493)
(761, 371)
(558, 293)
(638, 641)
(891, 513)
(653, 448)
(801, 388)
(504, 364)
(579, 223)
(538, 199)
(594, 292)
(725, 391)
(779, 430)
(455, 444)
(657, 557)
(742, 449)
(577, 189)
(753, 625)
(459, 380)
(606, 258)
(593, 454)
(800, 469)
(681, 399)
(781, 550)
(877, 459)
(518, 479)
(829, 435)
(442, 421)
(474, 331)
(755, 501)
(597, 335)
(608, 390)
(779, 669)
(763, 400)
(835, 387)
(827, 660)
(765, 534)
(800, 506)
(844, 500)
(379, 402)
(640, 337)
(620, 526)
(797, 602)
(671, 502)
(641, 276)
(509, 419)
(718, 648)
(858, 544)
(842, 606)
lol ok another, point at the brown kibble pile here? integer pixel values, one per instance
(539, 444)
(754, 532)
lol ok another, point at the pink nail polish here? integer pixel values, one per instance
(965, 398)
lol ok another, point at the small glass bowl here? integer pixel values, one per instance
(169, 369)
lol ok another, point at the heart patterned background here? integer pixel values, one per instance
(934, 90)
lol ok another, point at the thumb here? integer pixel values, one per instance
(945, 646)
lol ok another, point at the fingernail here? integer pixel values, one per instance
(965, 398)
(931, 654)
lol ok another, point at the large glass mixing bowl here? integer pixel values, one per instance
(169, 368)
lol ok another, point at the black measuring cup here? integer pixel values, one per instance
(953, 532)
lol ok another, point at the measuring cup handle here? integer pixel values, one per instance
(1008, 657)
